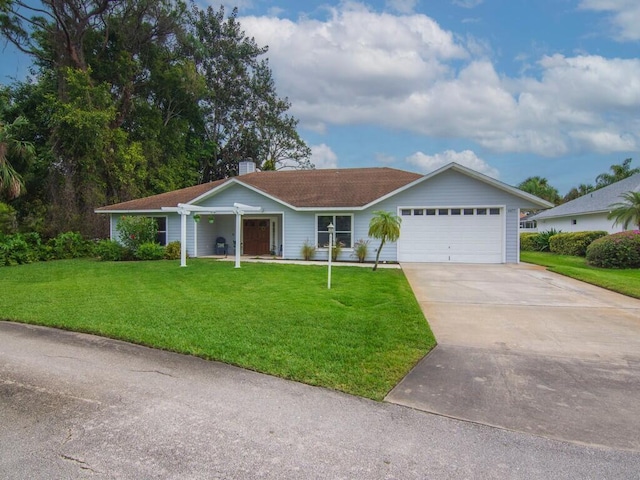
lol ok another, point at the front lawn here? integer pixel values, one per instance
(625, 281)
(361, 337)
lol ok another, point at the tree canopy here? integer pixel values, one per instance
(135, 97)
(540, 187)
(618, 172)
(626, 212)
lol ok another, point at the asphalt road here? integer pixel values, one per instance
(79, 406)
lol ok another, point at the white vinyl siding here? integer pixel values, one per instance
(586, 222)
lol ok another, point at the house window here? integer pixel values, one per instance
(161, 236)
(343, 229)
(481, 211)
(468, 211)
(494, 211)
(455, 211)
(443, 211)
(418, 211)
(431, 211)
(405, 212)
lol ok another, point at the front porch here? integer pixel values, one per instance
(214, 235)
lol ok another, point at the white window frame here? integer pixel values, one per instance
(334, 215)
(166, 227)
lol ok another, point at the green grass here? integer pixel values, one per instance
(626, 281)
(360, 337)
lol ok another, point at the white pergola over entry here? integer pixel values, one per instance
(185, 210)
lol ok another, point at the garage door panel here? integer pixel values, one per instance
(452, 238)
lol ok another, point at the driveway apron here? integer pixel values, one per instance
(525, 349)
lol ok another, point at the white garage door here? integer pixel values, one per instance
(460, 235)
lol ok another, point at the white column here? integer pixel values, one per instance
(195, 239)
(238, 233)
(183, 238)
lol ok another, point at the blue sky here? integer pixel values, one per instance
(511, 88)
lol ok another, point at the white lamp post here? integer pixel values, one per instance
(331, 229)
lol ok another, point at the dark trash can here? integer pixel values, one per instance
(221, 246)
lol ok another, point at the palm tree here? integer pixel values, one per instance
(539, 186)
(578, 191)
(11, 184)
(619, 172)
(384, 226)
(628, 211)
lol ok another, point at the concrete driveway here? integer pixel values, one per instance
(528, 350)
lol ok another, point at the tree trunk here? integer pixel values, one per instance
(375, 267)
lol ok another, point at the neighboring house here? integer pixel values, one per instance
(588, 212)
(527, 225)
(454, 214)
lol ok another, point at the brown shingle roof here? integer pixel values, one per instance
(168, 199)
(349, 187)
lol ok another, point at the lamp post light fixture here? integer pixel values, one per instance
(331, 229)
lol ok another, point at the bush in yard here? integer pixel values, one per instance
(112, 251)
(574, 243)
(527, 243)
(14, 250)
(71, 245)
(308, 251)
(543, 238)
(23, 248)
(336, 250)
(40, 251)
(360, 249)
(620, 250)
(172, 251)
(150, 251)
(135, 231)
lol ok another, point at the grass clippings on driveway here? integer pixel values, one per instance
(625, 281)
(360, 337)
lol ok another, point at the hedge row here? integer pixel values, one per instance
(22, 248)
(620, 250)
(575, 243)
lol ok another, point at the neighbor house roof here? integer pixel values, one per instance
(311, 189)
(597, 201)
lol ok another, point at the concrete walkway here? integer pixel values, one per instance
(78, 406)
(525, 349)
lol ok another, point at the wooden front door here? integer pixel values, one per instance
(256, 236)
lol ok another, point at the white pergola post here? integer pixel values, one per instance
(238, 234)
(184, 210)
(183, 237)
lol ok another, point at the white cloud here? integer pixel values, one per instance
(605, 142)
(323, 157)
(467, 3)
(625, 16)
(385, 158)
(402, 6)
(360, 67)
(429, 163)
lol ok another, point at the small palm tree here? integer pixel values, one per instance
(384, 226)
(628, 211)
(11, 184)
